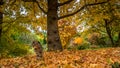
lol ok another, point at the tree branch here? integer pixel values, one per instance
(82, 9)
(1, 2)
(67, 2)
(29, 0)
(40, 7)
(13, 2)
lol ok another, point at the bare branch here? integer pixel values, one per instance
(82, 9)
(67, 2)
(41, 7)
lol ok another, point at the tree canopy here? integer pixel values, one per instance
(37, 16)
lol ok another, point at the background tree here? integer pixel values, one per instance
(1, 17)
(103, 19)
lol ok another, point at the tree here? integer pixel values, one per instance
(108, 31)
(108, 20)
(54, 10)
(1, 18)
(53, 38)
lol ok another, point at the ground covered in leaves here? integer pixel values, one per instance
(100, 58)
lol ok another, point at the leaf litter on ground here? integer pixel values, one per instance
(100, 58)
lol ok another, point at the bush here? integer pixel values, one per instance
(8, 48)
(83, 46)
(19, 50)
(15, 50)
(115, 65)
(78, 41)
(94, 38)
(94, 46)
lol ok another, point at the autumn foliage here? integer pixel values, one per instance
(78, 41)
(67, 31)
(102, 58)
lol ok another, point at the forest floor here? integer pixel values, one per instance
(98, 58)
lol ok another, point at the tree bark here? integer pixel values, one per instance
(118, 40)
(53, 37)
(1, 18)
(109, 32)
(119, 37)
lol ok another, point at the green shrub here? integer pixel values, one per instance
(19, 50)
(115, 65)
(83, 46)
(12, 49)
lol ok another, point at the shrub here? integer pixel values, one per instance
(84, 46)
(94, 46)
(94, 38)
(78, 41)
(12, 49)
(115, 65)
(19, 50)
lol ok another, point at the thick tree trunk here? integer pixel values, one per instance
(109, 31)
(1, 18)
(53, 37)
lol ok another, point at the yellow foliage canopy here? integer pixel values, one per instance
(66, 31)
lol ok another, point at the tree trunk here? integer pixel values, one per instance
(109, 31)
(1, 18)
(119, 37)
(118, 40)
(53, 37)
